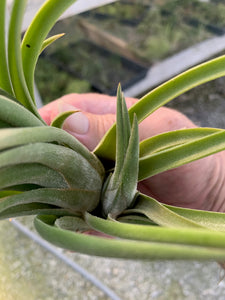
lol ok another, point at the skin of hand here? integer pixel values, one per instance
(198, 185)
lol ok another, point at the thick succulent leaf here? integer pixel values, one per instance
(72, 223)
(32, 174)
(60, 119)
(121, 248)
(181, 155)
(7, 95)
(173, 138)
(33, 209)
(73, 200)
(134, 219)
(161, 95)
(51, 40)
(35, 35)
(7, 193)
(75, 169)
(123, 131)
(160, 214)
(15, 115)
(5, 83)
(120, 189)
(209, 219)
(19, 136)
(200, 237)
(4, 124)
(15, 59)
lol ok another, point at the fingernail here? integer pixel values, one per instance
(77, 123)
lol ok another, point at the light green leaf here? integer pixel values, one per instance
(5, 83)
(51, 40)
(160, 214)
(32, 174)
(161, 95)
(120, 189)
(75, 169)
(45, 134)
(181, 155)
(7, 193)
(210, 219)
(35, 35)
(173, 138)
(15, 115)
(200, 237)
(15, 59)
(72, 200)
(60, 119)
(121, 248)
(33, 209)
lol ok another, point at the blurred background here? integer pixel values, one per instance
(140, 44)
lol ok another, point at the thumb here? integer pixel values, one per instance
(87, 127)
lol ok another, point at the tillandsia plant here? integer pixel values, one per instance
(46, 172)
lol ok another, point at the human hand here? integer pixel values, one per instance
(198, 185)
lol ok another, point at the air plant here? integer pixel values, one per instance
(46, 172)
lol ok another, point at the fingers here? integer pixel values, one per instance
(92, 103)
(163, 120)
(87, 127)
(97, 114)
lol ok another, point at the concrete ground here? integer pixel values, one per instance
(29, 272)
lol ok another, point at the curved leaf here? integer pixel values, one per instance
(15, 59)
(181, 155)
(19, 136)
(161, 95)
(32, 174)
(15, 115)
(200, 237)
(33, 209)
(35, 35)
(60, 119)
(120, 188)
(170, 139)
(160, 214)
(51, 40)
(5, 83)
(210, 219)
(121, 248)
(73, 200)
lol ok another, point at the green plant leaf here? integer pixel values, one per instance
(5, 82)
(32, 174)
(181, 155)
(123, 130)
(60, 119)
(15, 59)
(160, 214)
(121, 248)
(119, 191)
(35, 35)
(7, 193)
(51, 40)
(74, 200)
(15, 115)
(161, 95)
(77, 171)
(191, 236)
(210, 219)
(19, 136)
(33, 209)
(170, 139)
